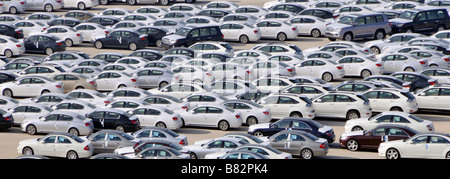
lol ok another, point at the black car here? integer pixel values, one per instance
(417, 80)
(6, 119)
(7, 76)
(154, 35)
(215, 13)
(11, 30)
(388, 79)
(151, 55)
(125, 38)
(104, 20)
(188, 35)
(42, 43)
(294, 123)
(421, 20)
(110, 118)
(322, 13)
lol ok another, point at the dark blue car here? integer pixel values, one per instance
(294, 123)
(128, 39)
(44, 43)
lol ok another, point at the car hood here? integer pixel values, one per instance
(354, 133)
(338, 25)
(372, 42)
(173, 37)
(258, 126)
(358, 120)
(400, 21)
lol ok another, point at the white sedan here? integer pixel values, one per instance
(279, 30)
(252, 113)
(391, 117)
(91, 96)
(68, 34)
(57, 145)
(288, 105)
(111, 80)
(58, 121)
(309, 25)
(203, 147)
(80, 4)
(180, 90)
(31, 86)
(342, 105)
(361, 66)
(391, 99)
(90, 31)
(22, 112)
(157, 116)
(436, 97)
(10, 47)
(29, 26)
(395, 62)
(242, 32)
(213, 116)
(325, 69)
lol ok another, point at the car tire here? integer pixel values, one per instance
(258, 134)
(392, 153)
(223, 125)
(353, 115)
(348, 36)
(158, 43)
(379, 35)
(48, 8)
(315, 33)
(295, 114)
(375, 50)
(357, 128)
(45, 92)
(352, 145)
(133, 46)
(13, 10)
(68, 42)
(162, 84)
(396, 109)
(8, 53)
(120, 128)
(104, 2)
(440, 28)
(306, 154)
(447, 156)
(243, 39)
(410, 69)
(189, 1)
(252, 120)
(7, 93)
(131, 2)
(81, 6)
(31, 129)
(327, 77)
(365, 73)
(74, 131)
(193, 155)
(98, 44)
(161, 124)
(27, 151)
(49, 51)
(71, 155)
(164, 2)
(281, 36)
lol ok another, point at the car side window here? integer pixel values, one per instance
(295, 137)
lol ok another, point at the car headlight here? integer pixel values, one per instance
(400, 25)
(337, 30)
(173, 41)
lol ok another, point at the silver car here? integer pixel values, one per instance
(299, 143)
(106, 141)
(160, 133)
(203, 147)
(59, 121)
(45, 5)
(153, 77)
(161, 152)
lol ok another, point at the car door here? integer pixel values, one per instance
(295, 143)
(263, 26)
(48, 124)
(98, 142)
(111, 120)
(385, 98)
(324, 106)
(437, 146)
(143, 78)
(421, 22)
(389, 63)
(154, 78)
(279, 142)
(35, 86)
(347, 64)
(373, 138)
(211, 117)
(113, 39)
(62, 145)
(197, 116)
(63, 123)
(98, 119)
(373, 98)
(416, 147)
(429, 98)
(47, 147)
(112, 142)
(444, 98)
(272, 103)
(342, 104)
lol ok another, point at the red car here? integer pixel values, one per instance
(371, 139)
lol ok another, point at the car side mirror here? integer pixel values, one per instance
(318, 100)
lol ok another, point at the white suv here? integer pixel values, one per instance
(288, 105)
(391, 99)
(347, 105)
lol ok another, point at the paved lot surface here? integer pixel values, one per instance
(9, 139)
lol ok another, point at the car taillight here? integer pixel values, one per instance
(22, 2)
(422, 62)
(78, 35)
(294, 29)
(58, 86)
(19, 32)
(106, 32)
(389, 23)
(184, 107)
(266, 112)
(407, 86)
(446, 59)
(142, 38)
(59, 1)
(19, 46)
(87, 147)
(59, 43)
(378, 65)
(7, 118)
(328, 133)
(208, 74)
(290, 70)
(429, 128)
(92, 83)
(238, 116)
(182, 142)
(174, 118)
(339, 67)
(323, 146)
(134, 121)
(133, 80)
(248, 72)
(107, 102)
(255, 31)
(87, 124)
(432, 83)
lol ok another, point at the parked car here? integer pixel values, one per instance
(111, 80)
(371, 139)
(91, 96)
(203, 147)
(160, 152)
(251, 112)
(418, 81)
(434, 97)
(61, 145)
(11, 47)
(391, 117)
(441, 74)
(327, 70)
(180, 90)
(299, 143)
(44, 43)
(122, 38)
(78, 106)
(433, 145)
(396, 62)
(6, 120)
(14, 7)
(266, 151)
(157, 116)
(288, 105)
(390, 99)
(73, 81)
(30, 26)
(91, 31)
(359, 66)
(342, 105)
(276, 29)
(110, 118)
(106, 21)
(106, 141)
(417, 20)
(58, 121)
(31, 86)
(143, 144)
(188, 35)
(309, 25)
(44, 5)
(160, 134)
(207, 115)
(21, 112)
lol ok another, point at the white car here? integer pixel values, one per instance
(290, 59)
(342, 105)
(48, 99)
(69, 35)
(91, 96)
(266, 68)
(80, 4)
(391, 117)
(212, 46)
(225, 5)
(153, 77)
(390, 99)
(30, 26)
(252, 113)
(309, 25)
(126, 104)
(128, 93)
(22, 112)
(196, 99)
(169, 102)
(191, 74)
(157, 116)
(265, 150)
(239, 18)
(441, 74)
(229, 88)
(288, 105)
(212, 116)
(203, 147)
(436, 97)
(78, 106)
(361, 66)
(241, 32)
(14, 7)
(31, 86)
(426, 145)
(376, 46)
(279, 30)
(57, 145)
(279, 49)
(43, 17)
(44, 5)
(254, 10)
(44, 70)
(434, 58)
(115, 12)
(230, 70)
(171, 25)
(89, 31)
(10, 47)
(181, 90)
(325, 69)
(396, 62)
(273, 83)
(158, 134)
(58, 121)
(199, 20)
(309, 90)
(111, 80)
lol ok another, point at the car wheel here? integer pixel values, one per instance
(357, 128)
(365, 73)
(31, 129)
(162, 84)
(120, 128)
(48, 51)
(348, 36)
(379, 34)
(74, 131)
(189, 1)
(122, 86)
(409, 30)
(252, 120)
(409, 69)
(131, 2)
(13, 10)
(440, 28)
(243, 39)
(352, 145)
(104, 2)
(161, 124)
(8, 53)
(315, 33)
(306, 154)
(68, 42)
(79, 87)
(375, 50)
(281, 36)
(392, 154)
(133, 46)
(48, 8)
(223, 125)
(72, 155)
(258, 134)
(7, 93)
(81, 6)
(158, 43)
(193, 156)
(352, 115)
(447, 156)
(327, 77)
(98, 44)
(396, 109)
(27, 151)
(296, 114)
(45, 92)
(164, 2)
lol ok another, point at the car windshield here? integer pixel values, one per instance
(183, 31)
(347, 20)
(407, 15)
